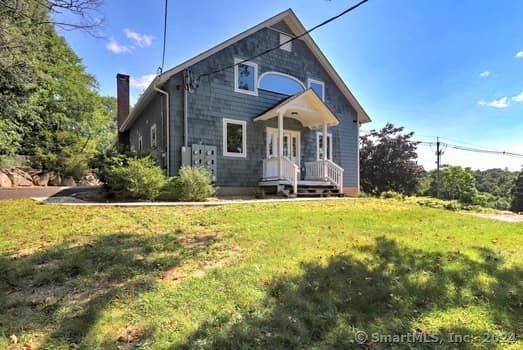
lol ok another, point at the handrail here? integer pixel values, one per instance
(289, 170)
(325, 169)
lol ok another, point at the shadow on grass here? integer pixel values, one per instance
(393, 291)
(62, 290)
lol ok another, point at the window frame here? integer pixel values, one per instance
(243, 123)
(140, 143)
(319, 82)
(288, 46)
(283, 75)
(155, 144)
(329, 145)
(237, 62)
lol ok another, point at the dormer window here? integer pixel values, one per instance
(284, 42)
(245, 77)
(318, 87)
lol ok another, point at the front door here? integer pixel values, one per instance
(291, 144)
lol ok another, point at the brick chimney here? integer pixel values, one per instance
(122, 105)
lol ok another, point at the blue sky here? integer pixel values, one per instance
(444, 68)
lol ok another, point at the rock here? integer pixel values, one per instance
(41, 179)
(54, 179)
(5, 181)
(19, 177)
(89, 180)
(68, 181)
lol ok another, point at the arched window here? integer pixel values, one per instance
(280, 83)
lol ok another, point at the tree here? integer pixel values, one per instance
(517, 202)
(50, 108)
(455, 183)
(388, 161)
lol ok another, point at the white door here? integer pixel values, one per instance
(291, 144)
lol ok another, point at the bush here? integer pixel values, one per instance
(139, 178)
(192, 184)
(391, 195)
(435, 203)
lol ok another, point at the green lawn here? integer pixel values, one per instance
(308, 275)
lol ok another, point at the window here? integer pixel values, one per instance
(245, 77)
(154, 143)
(318, 87)
(280, 83)
(140, 144)
(234, 138)
(283, 39)
(319, 145)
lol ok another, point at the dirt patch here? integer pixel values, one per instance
(502, 217)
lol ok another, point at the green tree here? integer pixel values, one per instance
(455, 183)
(388, 161)
(50, 108)
(517, 202)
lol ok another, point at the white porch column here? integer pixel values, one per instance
(324, 144)
(280, 144)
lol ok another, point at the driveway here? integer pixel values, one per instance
(52, 191)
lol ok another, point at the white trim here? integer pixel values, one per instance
(284, 38)
(153, 128)
(254, 80)
(319, 82)
(243, 123)
(329, 139)
(281, 75)
(275, 145)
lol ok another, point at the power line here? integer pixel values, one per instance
(352, 8)
(164, 35)
(472, 149)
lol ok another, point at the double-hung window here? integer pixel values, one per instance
(234, 138)
(154, 142)
(318, 87)
(319, 146)
(245, 77)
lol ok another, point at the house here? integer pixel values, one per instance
(283, 120)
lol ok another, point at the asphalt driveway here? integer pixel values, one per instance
(51, 191)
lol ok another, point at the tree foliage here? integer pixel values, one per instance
(388, 161)
(517, 201)
(455, 183)
(50, 108)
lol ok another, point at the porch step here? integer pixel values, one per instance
(323, 190)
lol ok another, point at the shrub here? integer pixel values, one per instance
(435, 203)
(192, 184)
(139, 178)
(391, 195)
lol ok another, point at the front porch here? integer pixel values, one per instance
(282, 168)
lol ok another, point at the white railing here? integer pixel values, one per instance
(325, 170)
(289, 170)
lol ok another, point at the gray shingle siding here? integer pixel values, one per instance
(216, 99)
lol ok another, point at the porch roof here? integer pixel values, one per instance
(305, 107)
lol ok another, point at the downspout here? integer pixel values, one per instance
(185, 117)
(168, 131)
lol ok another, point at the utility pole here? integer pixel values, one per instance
(438, 163)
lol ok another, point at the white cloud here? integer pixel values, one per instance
(499, 103)
(142, 82)
(484, 74)
(519, 54)
(142, 40)
(518, 98)
(114, 47)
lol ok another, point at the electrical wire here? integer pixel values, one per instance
(352, 8)
(471, 149)
(164, 35)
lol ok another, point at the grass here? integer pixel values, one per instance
(284, 276)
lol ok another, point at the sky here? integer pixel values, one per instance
(446, 68)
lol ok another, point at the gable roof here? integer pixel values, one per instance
(304, 106)
(289, 17)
